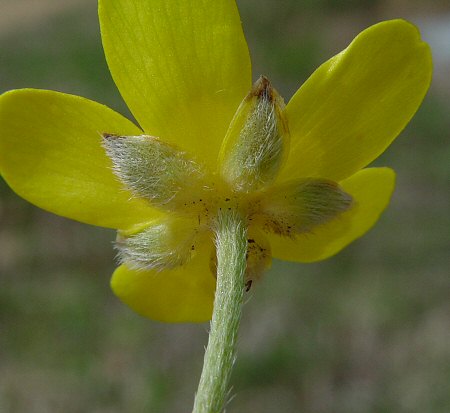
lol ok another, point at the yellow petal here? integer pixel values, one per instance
(51, 154)
(371, 190)
(182, 67)
(183, 294)
(354, 105)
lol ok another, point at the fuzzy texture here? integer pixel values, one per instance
(257, 140)
(166, 244)
(231, 247)
(153, 170)
(300, 207)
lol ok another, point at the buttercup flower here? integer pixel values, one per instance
(208, 140)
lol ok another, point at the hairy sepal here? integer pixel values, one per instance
(257, 140)
(300, 206)
(162, 245)
(156, 171)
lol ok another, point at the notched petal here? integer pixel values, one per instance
(165, 244)
(300, 206)
(257, 141)
(156, 171)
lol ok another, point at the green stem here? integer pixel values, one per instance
(231, 246)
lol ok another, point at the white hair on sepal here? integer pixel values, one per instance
(263, 140)
(257, 140)
(154, 170)
(299, 207)
(164, 245)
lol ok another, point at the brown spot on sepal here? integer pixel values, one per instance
(248, 285)
(258, 258)
(300, 207)
(262, 89)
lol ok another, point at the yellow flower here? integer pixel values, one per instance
(209, 140)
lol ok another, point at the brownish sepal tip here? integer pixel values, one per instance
(262, 88)
(106, 135)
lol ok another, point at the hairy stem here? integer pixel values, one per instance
(231, 245)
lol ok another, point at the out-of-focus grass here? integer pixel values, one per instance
(366, 331)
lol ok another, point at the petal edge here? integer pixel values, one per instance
(183, 294)
(51, 155)
(181, 66)
(354, 105)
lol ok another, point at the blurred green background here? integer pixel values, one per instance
(366, 331)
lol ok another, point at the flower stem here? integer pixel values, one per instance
(231, 246)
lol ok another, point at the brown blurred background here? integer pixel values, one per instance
(366, 331)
